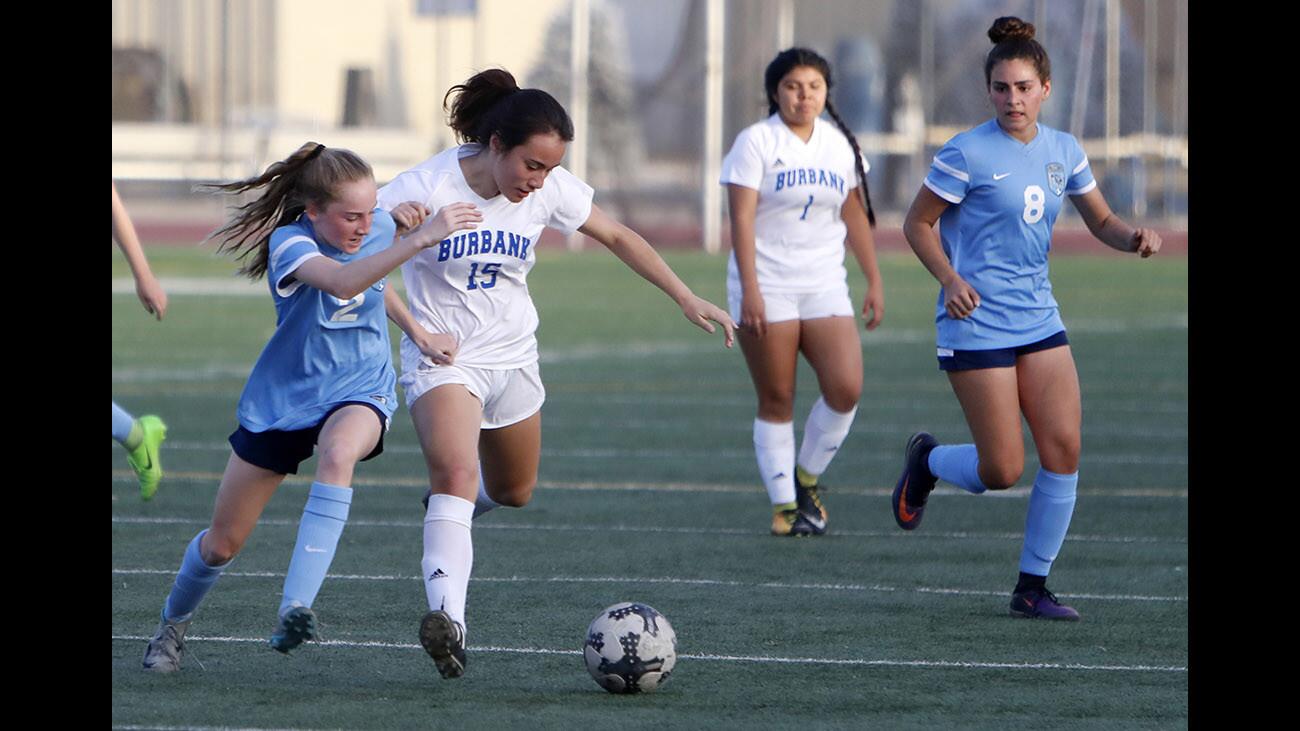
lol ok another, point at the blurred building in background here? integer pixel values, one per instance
(218, 89)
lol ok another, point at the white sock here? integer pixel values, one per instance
(774, 448)
(484, 502)
(823, 434)
(448, 554)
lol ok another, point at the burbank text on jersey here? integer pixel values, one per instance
(481, 242)
(809, 176)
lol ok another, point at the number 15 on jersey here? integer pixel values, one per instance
(484, 277)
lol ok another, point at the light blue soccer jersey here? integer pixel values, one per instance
(324, 351)
(1005, 196)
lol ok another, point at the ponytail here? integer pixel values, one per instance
(311, 174)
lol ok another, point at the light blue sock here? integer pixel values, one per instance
(1050, 506)
(958, 464)
(122, 423)
(192, 583)
(322, 523)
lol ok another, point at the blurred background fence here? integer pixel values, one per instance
(218, 89)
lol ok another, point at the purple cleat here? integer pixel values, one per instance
(1039, 603)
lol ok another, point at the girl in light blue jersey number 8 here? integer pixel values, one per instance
(324, 380)
(997, 190)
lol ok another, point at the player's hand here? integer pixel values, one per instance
(701, 311)
(959, 298)
(152, 296)
(873, 307)
(448, 220)
(439, 348)
(409, 215)
(1146, 242)
(753, 314)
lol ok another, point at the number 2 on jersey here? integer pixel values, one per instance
(804, 215)
(488, 269)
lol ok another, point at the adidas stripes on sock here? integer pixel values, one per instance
(448, 554)
(823, 434)
(774, 449)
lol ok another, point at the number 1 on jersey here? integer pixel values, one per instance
(805, 208)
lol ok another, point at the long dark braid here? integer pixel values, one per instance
(857, 159)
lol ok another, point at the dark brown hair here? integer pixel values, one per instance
(312, 174)
(792, 58)
(1014, 38)
(491, 103)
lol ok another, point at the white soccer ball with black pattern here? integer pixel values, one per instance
(630, 648)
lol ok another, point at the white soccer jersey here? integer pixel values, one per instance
(473, 285)
(798, 232)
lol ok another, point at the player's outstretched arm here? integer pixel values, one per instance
(641, 258)
(1111, 230)
(346, 281)
(437, 347)
(147, 288)
(959, 298)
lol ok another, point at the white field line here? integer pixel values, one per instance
(738, 455)
(1020, 493)
(955, 535)
(725, 658)
(640, 581)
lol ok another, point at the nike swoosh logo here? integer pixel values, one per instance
(309, 549)
(817, 522)
(999, 177)
(903, 512)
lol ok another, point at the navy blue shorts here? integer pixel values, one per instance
(973, 360)
(282, 451)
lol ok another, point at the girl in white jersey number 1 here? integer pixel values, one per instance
(997, 190)
(798, 191)
(476, 406)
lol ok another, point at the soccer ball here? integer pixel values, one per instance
(630, 648)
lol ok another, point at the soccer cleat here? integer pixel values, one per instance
(163, 655)
(144, 458)
(916, 482)
(298, 625)
(810, 506)
(793, 523)
(444, 639)
(1039, 603)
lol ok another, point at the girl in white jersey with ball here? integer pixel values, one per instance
(798, 192)
(476, 401)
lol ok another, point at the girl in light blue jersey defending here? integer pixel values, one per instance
(324, 380)
(996, 190)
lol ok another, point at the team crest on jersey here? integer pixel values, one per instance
(1056, 177)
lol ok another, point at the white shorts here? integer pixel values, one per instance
(833, 301)
(508, 397)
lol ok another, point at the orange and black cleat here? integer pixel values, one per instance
(916, 482)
